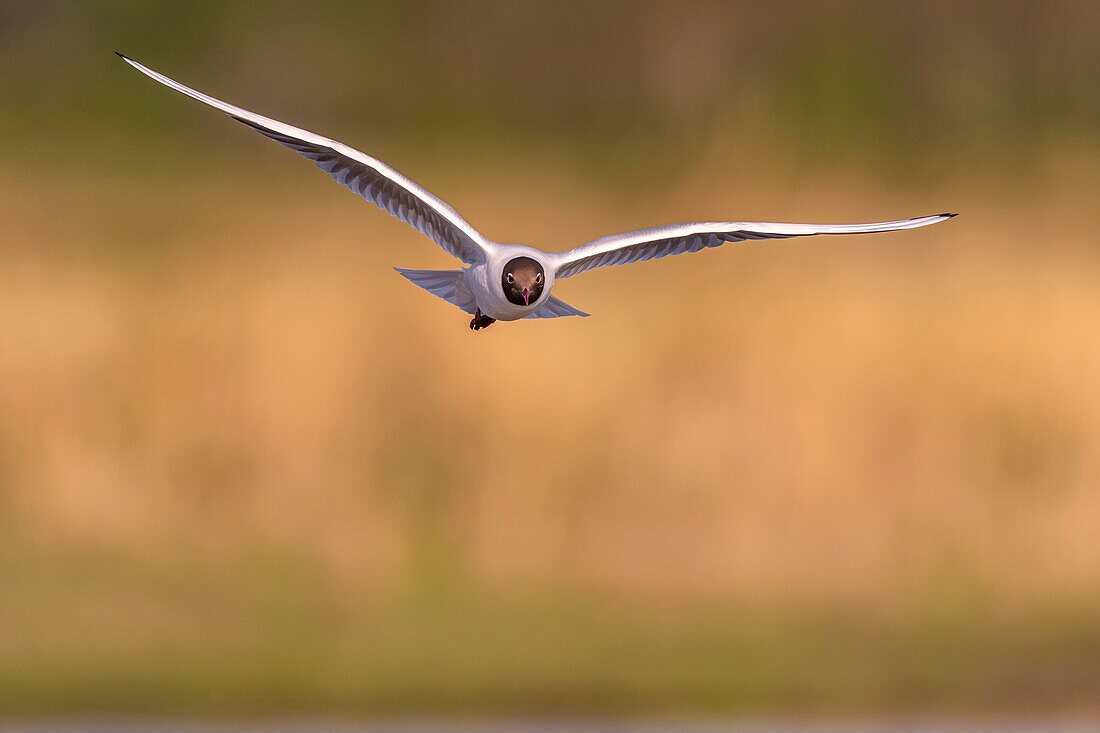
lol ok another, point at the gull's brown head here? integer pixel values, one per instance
(522, 280)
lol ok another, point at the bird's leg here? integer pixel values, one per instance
(479, 321)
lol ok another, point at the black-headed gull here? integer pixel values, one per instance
(506, 282)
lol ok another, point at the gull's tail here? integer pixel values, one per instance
(451, 286)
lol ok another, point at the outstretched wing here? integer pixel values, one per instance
(651, 244)
(370, 178)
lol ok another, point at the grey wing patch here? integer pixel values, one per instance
(369, 177)
(554, 308)
(382, 191)
(657, 248)
(652, 244)
(449, 285)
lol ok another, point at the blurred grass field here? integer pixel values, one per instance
(245, 468)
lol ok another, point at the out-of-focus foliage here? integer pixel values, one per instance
(595, 79)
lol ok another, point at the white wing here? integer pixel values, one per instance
(370, 178)
(651, 244)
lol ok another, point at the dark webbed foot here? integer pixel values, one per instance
(479, 321)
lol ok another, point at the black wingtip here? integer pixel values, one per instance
(949, 215)
(122, 56)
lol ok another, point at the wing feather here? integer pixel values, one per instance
(370, 178)
(652, 244)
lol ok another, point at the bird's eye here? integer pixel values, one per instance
(509, 278)
(538, 278)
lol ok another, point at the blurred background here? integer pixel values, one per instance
(246, 469)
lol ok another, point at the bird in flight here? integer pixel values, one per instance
(506, 282)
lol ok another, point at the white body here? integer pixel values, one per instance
(478, 287)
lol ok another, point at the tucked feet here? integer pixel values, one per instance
(479, 321)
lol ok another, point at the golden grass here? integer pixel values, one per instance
(231, 437)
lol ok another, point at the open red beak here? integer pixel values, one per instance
(526, 296)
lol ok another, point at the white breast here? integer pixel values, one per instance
(484, 282)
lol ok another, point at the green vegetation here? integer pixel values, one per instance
(266, 635)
